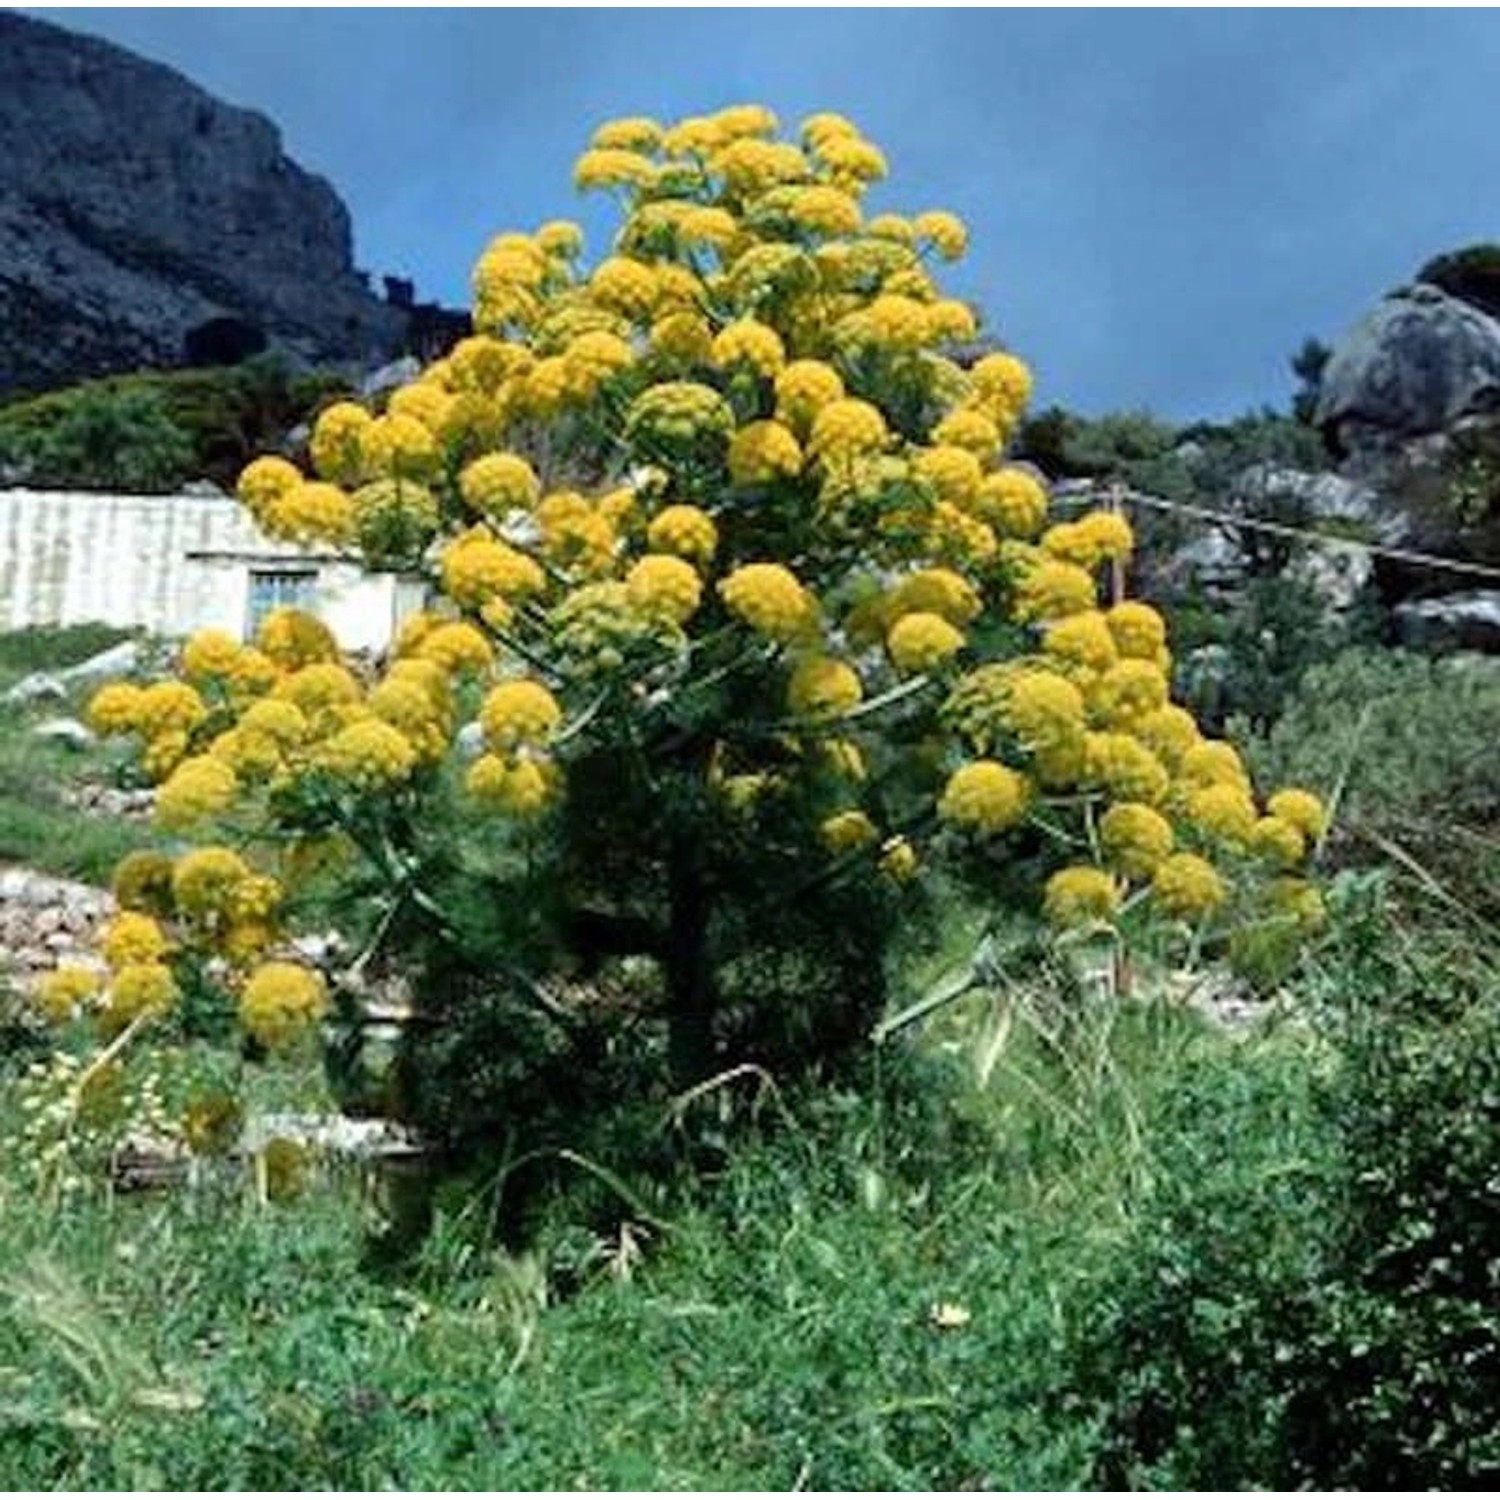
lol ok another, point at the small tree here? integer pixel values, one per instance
(752, 626)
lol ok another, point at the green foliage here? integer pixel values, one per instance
(48, 648)
(1410, 741)
(1472, 273)
(1312, 1306)
(151, 432)
(1308, 364)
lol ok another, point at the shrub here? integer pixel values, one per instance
(1310, 1302)
(753, 626)
(1409, 739)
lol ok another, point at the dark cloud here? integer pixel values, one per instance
(1163, 204)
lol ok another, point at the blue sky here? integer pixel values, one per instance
(1162, 204)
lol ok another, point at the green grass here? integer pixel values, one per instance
(37, 827)
(777, 1331)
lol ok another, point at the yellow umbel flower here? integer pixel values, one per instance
(1278, 841)
(61, 993)
(517, 789)
(210, 653)
(763, 452)
(624, 286)
(205, 881)
(823, 687)
(1213, 763)
(1014, 502)
(1169, 732)
(633, 133)
(613, 168)
(684, 336)
(200, 787)
(921, 642)
(898, 859)
(1125, 768)
(945, 232)
(1222, 811)
(1139, 631)
(115, 708)
(938, 591)
(133, 938)
(971, 430)
(1081, 640)
(476, 568)
(168, 707)
(1128, 692)
(403, 703)
(1186, 885)
(953, 474)
(369, 755)
(679, 415)
(562, 238)
(264, 481)
(685, 531)
(770, 599)
(803, 389)
(845, 429)
(147, 989)
(519, 713)
(1054, 590)
(281, 1002)
(985, 796)
(751, 345)
(1135, 839)
(143, 882)
(1299, 900)
(662, 585)
(1302, 809)
(1080, 895)
(293, 638)
(1003, 381)
(456, 648)
(1044, 711)
(847, 831)
(824, 210)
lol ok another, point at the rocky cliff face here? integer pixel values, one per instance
(136, 208)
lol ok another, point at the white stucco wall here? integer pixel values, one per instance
(170, 563)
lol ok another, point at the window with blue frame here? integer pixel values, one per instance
(278, 588)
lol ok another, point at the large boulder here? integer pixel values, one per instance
(1415, 364)
(1468, 621)
(139, 213)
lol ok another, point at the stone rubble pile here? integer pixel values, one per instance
(45, 921)
(112, 801)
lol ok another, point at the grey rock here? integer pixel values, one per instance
(389, 377)
(1468, 621)
(35, 686)
(116, 661)
(135, 208)
(69, 732)
(470, 739)
(1415, 363)
(1313, 496)
(204, 487)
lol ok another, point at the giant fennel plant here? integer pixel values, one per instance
(740, 627)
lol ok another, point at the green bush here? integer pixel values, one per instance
(1411, 741)
(153, 431)
(1307, 1299)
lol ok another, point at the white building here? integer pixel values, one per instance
(173, 564)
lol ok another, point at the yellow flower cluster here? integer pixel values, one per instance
(823, 687)
(922, 642)
(200, 787)
(370, 755)
(1080, 895)
(520, 788)
(662, 585)
(769, 598)
(281, 1002)
(985, 797)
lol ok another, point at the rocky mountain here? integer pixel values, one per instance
(144, 222)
